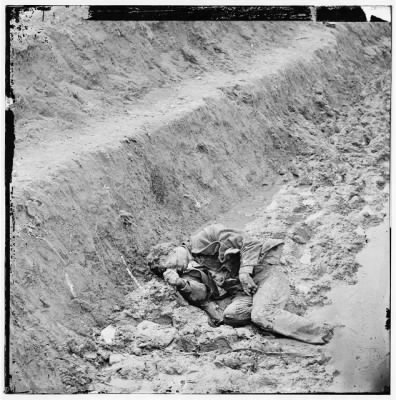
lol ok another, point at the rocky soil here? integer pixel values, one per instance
(295, 115)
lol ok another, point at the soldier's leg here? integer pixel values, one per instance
(238, 312)
(268, 313)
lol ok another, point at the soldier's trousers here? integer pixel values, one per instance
(266, 308)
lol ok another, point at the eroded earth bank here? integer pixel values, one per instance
(130, 134)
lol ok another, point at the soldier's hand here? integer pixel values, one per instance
(248, 285)
(171, 276)
(192, 264)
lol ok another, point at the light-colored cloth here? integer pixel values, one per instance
(266, 308)
(239, 311)
(218, 239)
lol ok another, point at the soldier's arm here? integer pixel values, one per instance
(197, 293)
(250, 254)
(192, 291)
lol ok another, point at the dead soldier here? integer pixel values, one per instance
(218, 263)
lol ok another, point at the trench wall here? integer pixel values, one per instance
(72, 231)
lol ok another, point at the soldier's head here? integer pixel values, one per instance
(168, 256)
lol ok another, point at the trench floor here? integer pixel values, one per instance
(360, 347)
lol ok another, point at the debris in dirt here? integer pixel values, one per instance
(236, 361)
(103, 354)
(90, 356)
(116, 358)
(282, 171)
(356, 201)
(172, 366)
(306, 257)
(244, 332)
(302, 234)
(269, 363)
(70, 285)
(126, 217)
(202, 148)
(152, 335)
(188, 56)
(366, 212)
(380, 182)
(108, 334)
(130, 273)
(330, 25)
(196, 203)
(80, 348)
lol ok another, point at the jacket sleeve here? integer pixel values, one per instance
(206, 241)
(192, 291)
(250, 255)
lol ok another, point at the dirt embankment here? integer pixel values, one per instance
(69, 71)
(130, 183)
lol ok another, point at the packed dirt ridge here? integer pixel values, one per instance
(160, 105)
(160, 129)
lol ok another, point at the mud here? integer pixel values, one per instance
(360, 347)
(282, 124)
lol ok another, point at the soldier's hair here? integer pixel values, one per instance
(156, 255)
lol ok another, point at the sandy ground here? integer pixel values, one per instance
(158, 107)
(280, 129)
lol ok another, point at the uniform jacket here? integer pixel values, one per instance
(216, 239)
